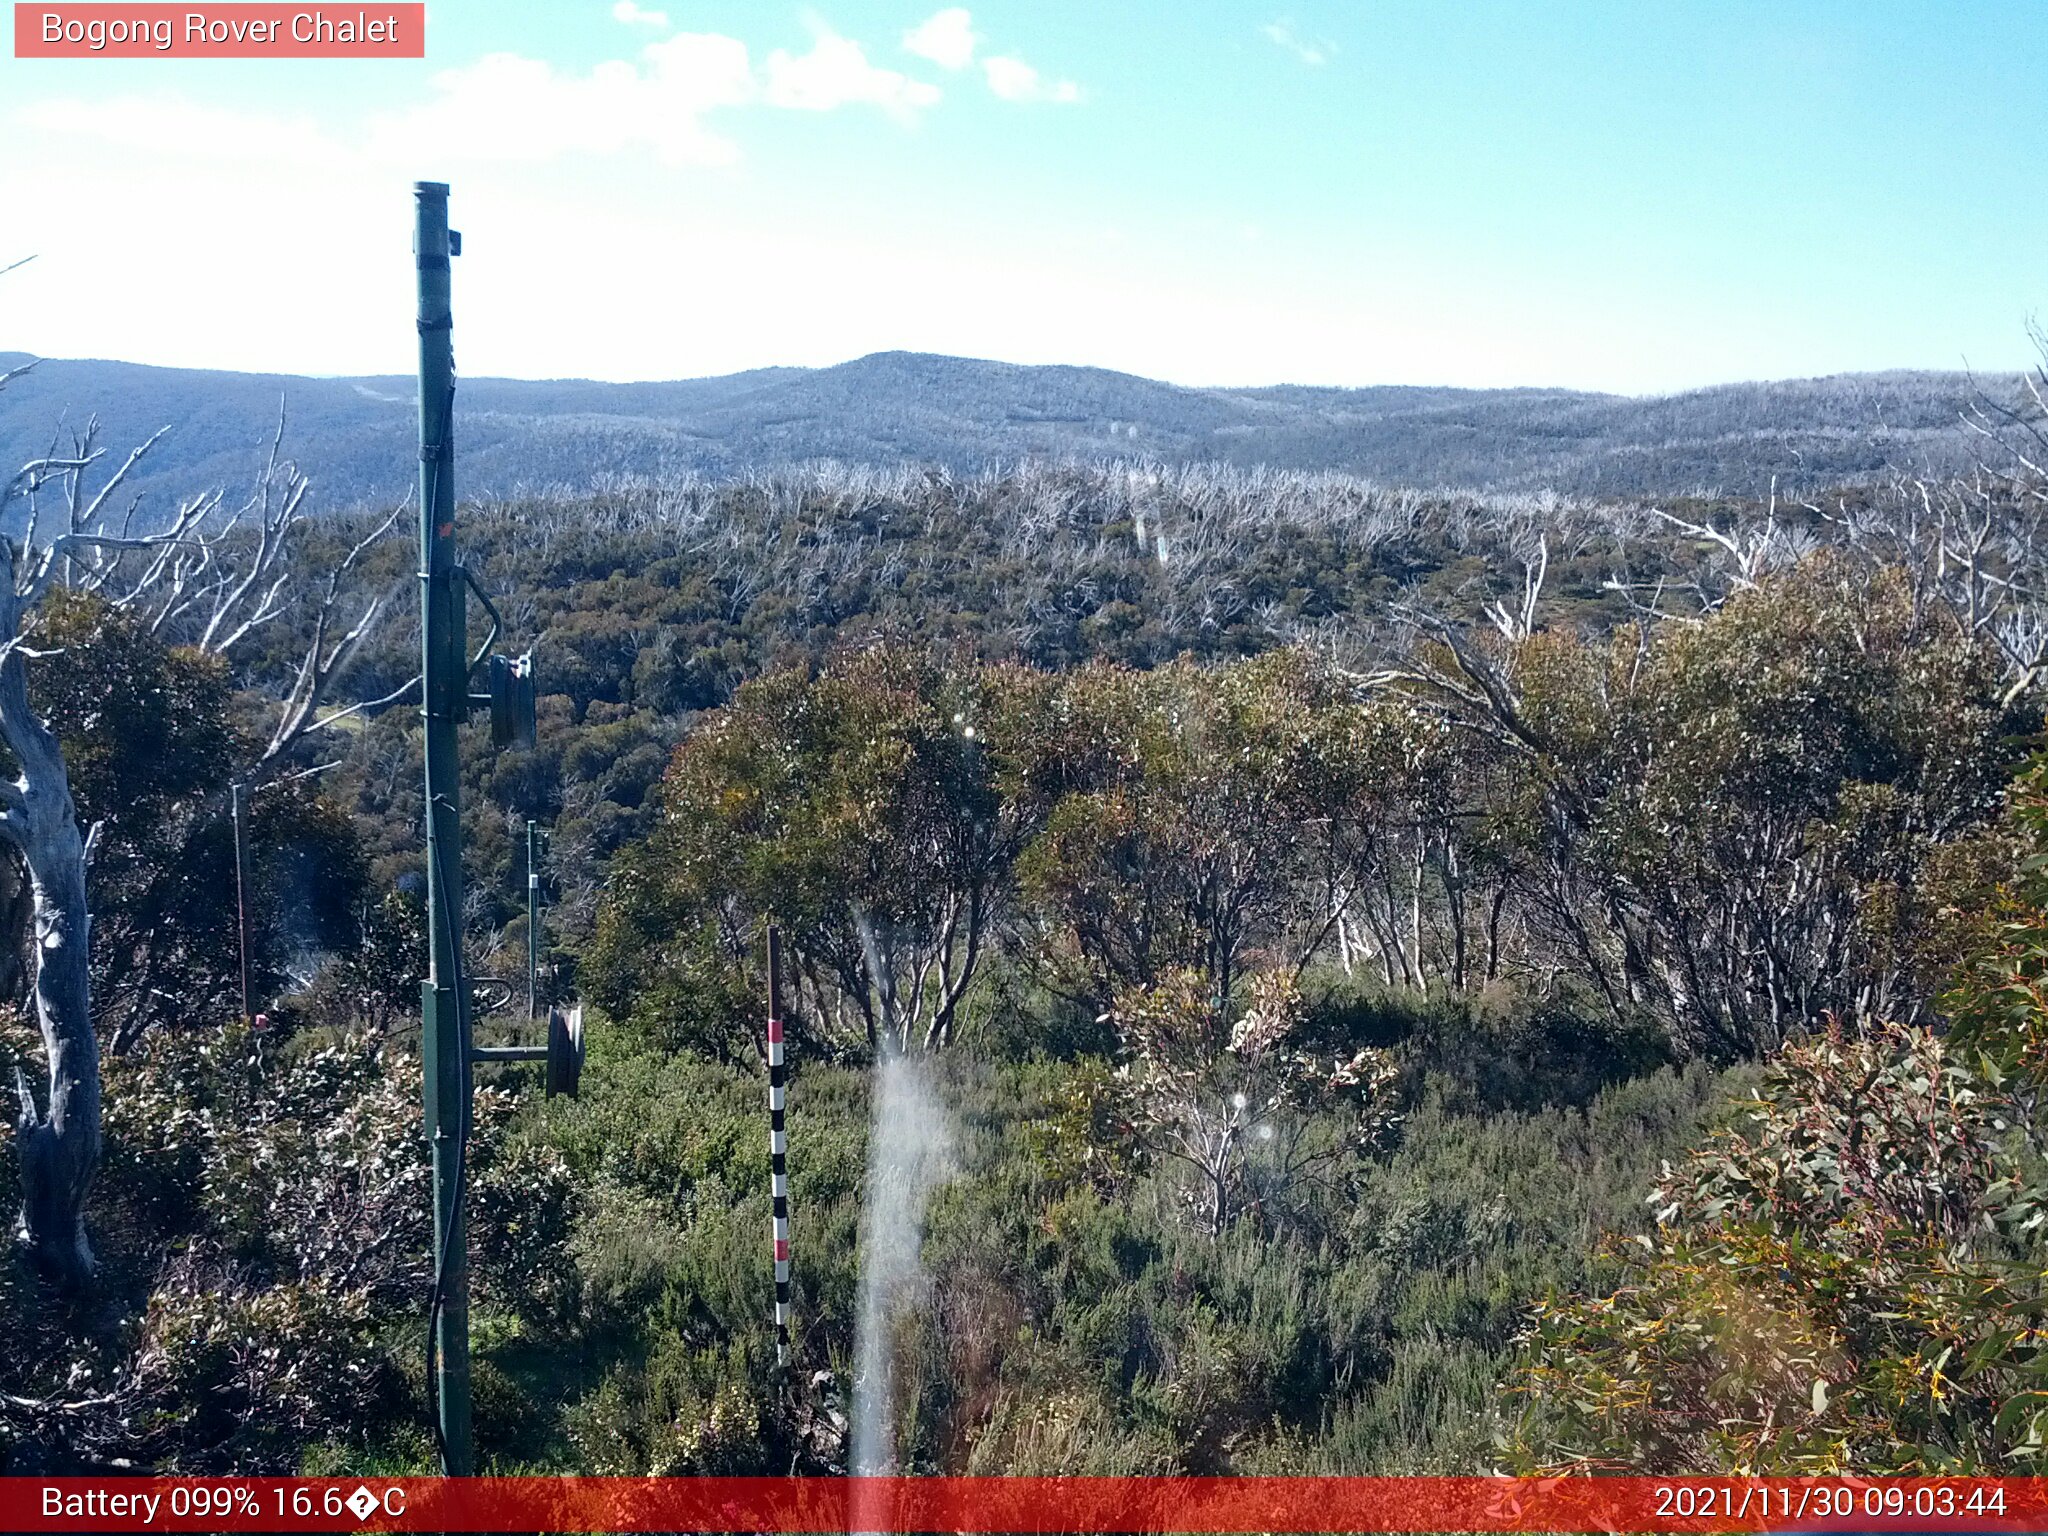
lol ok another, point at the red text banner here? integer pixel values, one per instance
(234, 31)
(1024, 1504)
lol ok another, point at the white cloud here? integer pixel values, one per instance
(947, 38)
(510, 109)
(698, 71)
(836, 73)
(1014, 80)
(172, 125)
(504, 108)
(1282, 35)
(633, 16)
(507, 107)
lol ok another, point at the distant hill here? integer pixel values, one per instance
(354, 437)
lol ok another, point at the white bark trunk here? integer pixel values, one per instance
(60, 1143)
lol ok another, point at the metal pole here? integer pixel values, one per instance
(445, 686)
(238, 803)
(778, 1148)
(532, 923)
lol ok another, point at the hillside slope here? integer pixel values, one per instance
(354, 436)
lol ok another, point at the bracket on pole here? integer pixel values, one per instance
(563, 1053)
(513, 718)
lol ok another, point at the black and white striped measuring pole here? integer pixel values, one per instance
(778, 1147)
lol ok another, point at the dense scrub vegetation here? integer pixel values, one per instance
(1325, 912)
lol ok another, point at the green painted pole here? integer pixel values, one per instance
(445, 1036)
(532, 922)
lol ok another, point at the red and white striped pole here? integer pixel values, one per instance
(778, 1147)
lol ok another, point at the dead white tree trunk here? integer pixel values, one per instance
(60, 1142)
(213, 576)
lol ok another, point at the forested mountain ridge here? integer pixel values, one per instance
(353, 436)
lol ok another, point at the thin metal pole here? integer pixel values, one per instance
(445, 685)
(532, 923)
(238, 803)
(778, 1148)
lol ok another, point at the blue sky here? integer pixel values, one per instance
(1638, 197)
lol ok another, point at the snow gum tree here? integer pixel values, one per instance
(207, 576)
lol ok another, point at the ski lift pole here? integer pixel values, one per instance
(778, 1148)
(445, 1035)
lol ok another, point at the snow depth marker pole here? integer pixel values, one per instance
(778, 1147)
